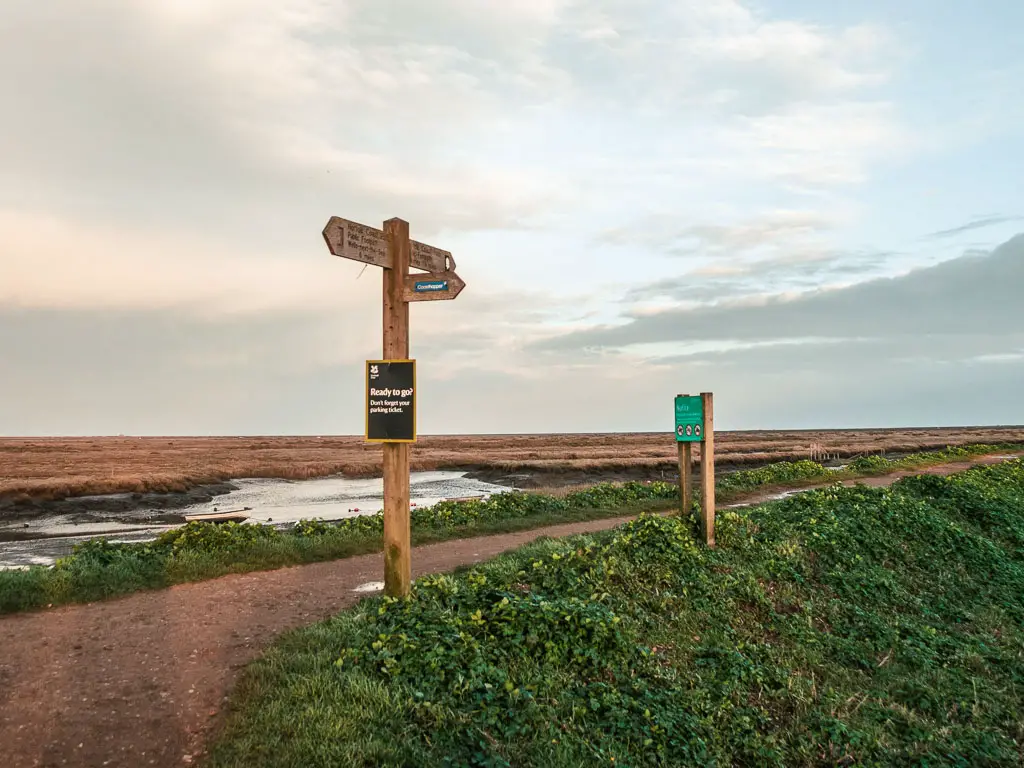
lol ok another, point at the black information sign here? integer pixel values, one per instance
(391, 401)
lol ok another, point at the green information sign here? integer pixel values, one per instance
(689, 419)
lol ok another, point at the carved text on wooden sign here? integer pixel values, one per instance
(352, 240)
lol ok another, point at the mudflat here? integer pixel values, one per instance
(38, 469)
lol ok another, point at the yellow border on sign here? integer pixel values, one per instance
(366, 408)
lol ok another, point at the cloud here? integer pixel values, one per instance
(155, 372)
(169, 167)
(677, 234)
(231, 105)
(720, 53)
(799, 270)
(142, 371)
(969, 295)
(233, 116)
(189, 153)
(664, 232)
(758, 65)
(53, 263)
(981, 223)
(819, 144)
(765, 254)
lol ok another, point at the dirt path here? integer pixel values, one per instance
(140, 680)
(879, 481)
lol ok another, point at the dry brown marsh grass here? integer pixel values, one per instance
(59, 467)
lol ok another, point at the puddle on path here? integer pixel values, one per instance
(370, 586)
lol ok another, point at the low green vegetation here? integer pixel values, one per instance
(99, 569)
(841, 627)
(788, 473)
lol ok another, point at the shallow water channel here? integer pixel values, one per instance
(275, 502)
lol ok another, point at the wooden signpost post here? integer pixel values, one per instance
(695, 423)
(391, 382)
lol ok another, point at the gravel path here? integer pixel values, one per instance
(140, 680)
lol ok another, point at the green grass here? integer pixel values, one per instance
(98, 569)
(845, 626)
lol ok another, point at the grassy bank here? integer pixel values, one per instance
(99, 569)
(845, 626)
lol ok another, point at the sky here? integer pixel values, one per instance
(813, 210)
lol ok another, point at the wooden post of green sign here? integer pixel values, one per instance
(707, 471)
(685, 476)
(695, 423)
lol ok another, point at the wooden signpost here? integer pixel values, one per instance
(695, 423)
(391, 382)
